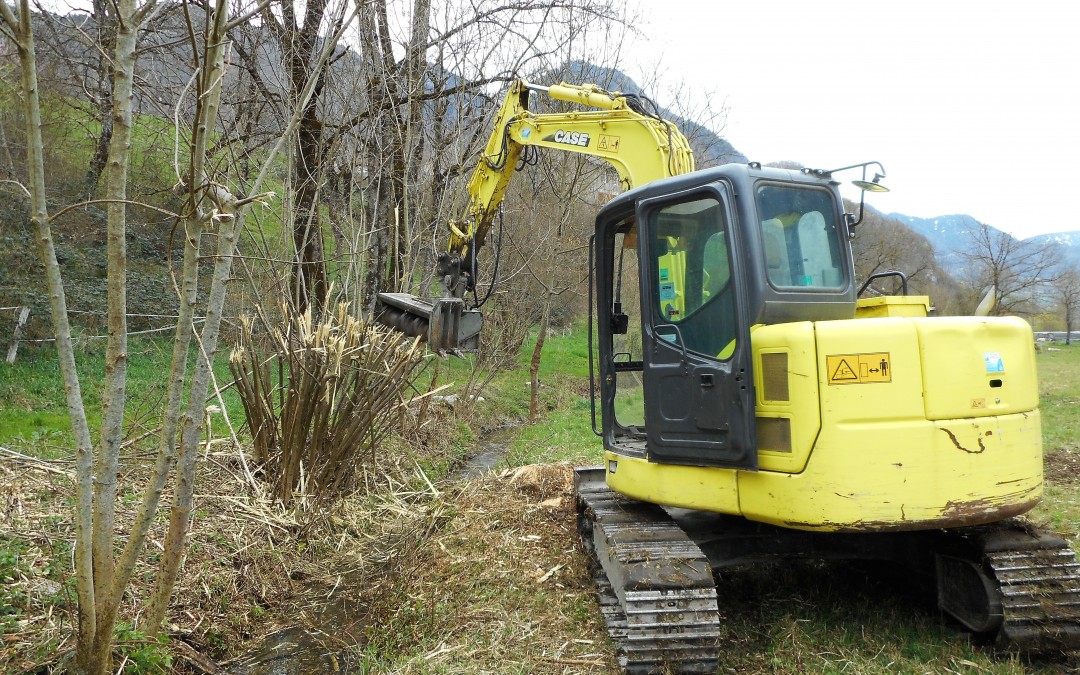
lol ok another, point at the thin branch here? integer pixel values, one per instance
(20, 185)
(164, 212)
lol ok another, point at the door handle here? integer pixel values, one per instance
(678, 340)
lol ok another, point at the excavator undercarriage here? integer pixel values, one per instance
(1006, 583)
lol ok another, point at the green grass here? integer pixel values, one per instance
(34, 417)
(565, 435)
(1059, 395)
(1059, 403)
(565, 354)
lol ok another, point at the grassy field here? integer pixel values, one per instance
(1059, 400)
(34, 418)
(481, 576)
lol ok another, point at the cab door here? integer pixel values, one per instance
(699, 391)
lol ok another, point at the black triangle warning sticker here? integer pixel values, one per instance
(843, 372)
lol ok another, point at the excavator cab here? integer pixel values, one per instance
(685, 268)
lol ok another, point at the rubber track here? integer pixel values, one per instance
(1040, 596)
(655, 586)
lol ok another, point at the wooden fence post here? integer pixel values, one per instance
(21, 313)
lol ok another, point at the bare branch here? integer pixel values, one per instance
(129, 202)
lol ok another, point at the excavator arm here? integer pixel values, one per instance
(618, 128)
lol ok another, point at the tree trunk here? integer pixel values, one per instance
(193, 419)
(203, 206)
(22, 30)
(309, 280)
(309, 273)
(106, 34)
(534, 365)
(115, 388)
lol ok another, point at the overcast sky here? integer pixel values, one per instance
(969, 105)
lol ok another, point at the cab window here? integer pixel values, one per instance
(692, 267)
(799, 233)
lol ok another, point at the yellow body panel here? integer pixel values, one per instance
(976, 366)
(689, 487)
(791, 347)
(941, 428)
(905, 475)
(892, 305)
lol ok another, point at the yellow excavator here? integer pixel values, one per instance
(751, 406)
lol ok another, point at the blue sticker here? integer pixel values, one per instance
(993, 362)
(667, 291)
(526, 132)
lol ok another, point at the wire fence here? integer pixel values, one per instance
(22, 313)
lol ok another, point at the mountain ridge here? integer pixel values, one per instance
(948, 234)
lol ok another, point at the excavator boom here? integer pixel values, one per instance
(621, 129)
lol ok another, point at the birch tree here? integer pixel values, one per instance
(209, 209)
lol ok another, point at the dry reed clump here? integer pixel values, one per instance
(232, 574)
(321, 396)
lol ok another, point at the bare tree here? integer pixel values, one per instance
(98, 585)
(404, 100)
(1066, 291)
(559, 266)
(1017, 271)
(425, 106)
(300, 30)
(883, 244)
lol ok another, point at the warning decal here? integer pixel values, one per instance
(609, 143)
(858, 368)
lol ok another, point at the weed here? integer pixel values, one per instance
(141, 655)
(13, 598)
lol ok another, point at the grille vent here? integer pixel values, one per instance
(774, 376)
(774, 434)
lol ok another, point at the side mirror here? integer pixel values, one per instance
(863, 185)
